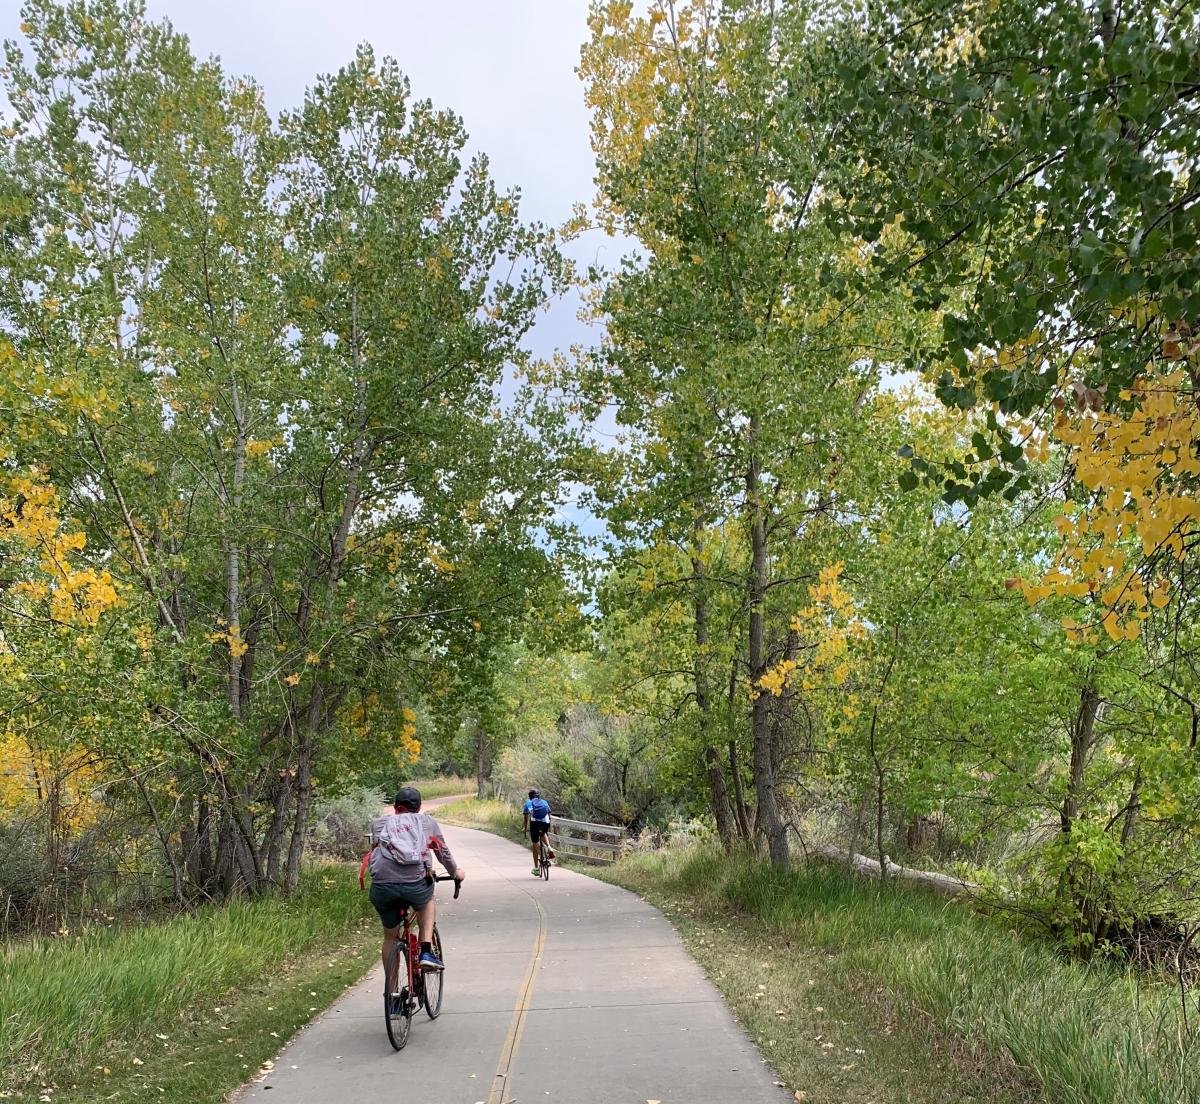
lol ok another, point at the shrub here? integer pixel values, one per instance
(340, 825)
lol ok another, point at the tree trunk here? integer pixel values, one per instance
(300, 828)
(205, 866)
(1082, 736)
(745, 824)
(249, 859)
(739, 802)
(762, 758)
(339, 545)
(246, 861)
(481, 771)
(718, 791)
(719, 796)
(1086, 916)
(880, 793)
(225, 874)
(233, 595)
(1129, 821)
(941, 883)
(273, 843)
(303, 791)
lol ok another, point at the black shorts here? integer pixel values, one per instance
(392, 899)
(537, 829)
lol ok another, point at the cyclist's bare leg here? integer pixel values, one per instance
(425, 917)
(536, 849)
(391, 936)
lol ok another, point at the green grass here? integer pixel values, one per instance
(193, 1006)
(916, 994)
(498, 817)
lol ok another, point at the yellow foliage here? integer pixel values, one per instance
(261, 448)
(827, 630)
(436, 557)
(144, 635)
(30, 525)
(629, 61)
(1139, 467)
(30, 775)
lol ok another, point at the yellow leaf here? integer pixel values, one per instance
(291, 680)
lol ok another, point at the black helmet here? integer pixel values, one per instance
(408, 797)
(535, 793)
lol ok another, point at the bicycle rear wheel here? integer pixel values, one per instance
(397, 1009)
(432, 980)
(545, 861)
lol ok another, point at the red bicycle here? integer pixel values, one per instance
(421, 988)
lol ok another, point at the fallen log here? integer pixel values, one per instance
(944, 884)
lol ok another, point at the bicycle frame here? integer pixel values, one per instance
(410, 937)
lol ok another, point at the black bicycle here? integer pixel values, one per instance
(544, 857)
(420, 988)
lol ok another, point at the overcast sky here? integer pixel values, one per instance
(506, 66)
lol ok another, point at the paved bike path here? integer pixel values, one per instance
(572, 991)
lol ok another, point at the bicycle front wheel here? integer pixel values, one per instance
(397, 1000)
(433, 980)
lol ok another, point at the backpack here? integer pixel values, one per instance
(539, 809)
(402, 836)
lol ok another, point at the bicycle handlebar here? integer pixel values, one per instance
(449, 878)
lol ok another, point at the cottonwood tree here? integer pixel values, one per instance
(727, 353)
(271, 355)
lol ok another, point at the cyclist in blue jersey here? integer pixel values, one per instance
(537, 824)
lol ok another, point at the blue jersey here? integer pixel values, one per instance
(538, 809)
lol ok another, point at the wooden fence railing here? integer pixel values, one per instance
(579, 839)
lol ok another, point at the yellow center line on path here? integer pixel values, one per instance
(516, 1027)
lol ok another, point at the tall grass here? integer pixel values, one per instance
(443, 786)
(1089, 1034)
(498, 817)
(71, 1002)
